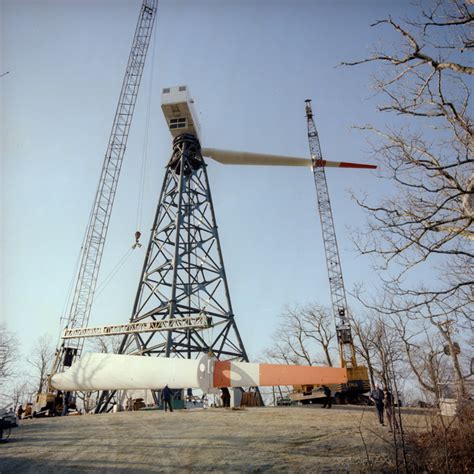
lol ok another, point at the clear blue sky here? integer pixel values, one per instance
(249, 66)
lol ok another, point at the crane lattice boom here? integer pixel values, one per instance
(93, 245)
(336, 281)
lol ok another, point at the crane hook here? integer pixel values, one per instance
(137, 240)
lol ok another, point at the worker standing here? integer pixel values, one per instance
(376, 395)
(388, 403)
(166, 397)
(225, 395)
(65, 411)
(328, 395)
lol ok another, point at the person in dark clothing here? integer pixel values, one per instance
(328, 399)
(166, 398)
(225, 395)
(376, 395)
(65, 411)
(389, 410)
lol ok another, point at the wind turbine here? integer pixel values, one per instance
(183, 275)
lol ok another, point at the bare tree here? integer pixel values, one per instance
(443, 322)
(106, 344)
(8, 353)
(428, 157)
(41, 359)
(429, 347)
(388, 350)
(378, 344)
(20, 393)
(319, 326)
(362, 329)
(303, 333)
(424, 358)
(8, 358)
(291, 343)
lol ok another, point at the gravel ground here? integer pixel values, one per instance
(286, 439)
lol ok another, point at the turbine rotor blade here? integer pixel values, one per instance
(132, 372)
(228, 157)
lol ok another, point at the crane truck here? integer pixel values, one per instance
(49, 401)
(358, 377)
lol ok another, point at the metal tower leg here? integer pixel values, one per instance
(183, 273)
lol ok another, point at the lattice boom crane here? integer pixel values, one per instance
(357, 374)
(94, 240)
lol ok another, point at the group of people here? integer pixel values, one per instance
(167, 398)
(383, 400)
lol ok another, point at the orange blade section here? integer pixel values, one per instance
(342, 164)
(245, 374)
(222, 374)
(272, 374)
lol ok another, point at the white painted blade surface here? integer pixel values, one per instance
(126, 372)
(227, 157)
(129, 372)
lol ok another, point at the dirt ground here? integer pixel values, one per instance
(286, 439)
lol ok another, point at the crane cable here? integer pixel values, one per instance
(108, 279)
(64, 316)
(112, 273)
(67, 301)
(141, 187)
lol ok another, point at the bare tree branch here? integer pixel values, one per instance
(8, 353)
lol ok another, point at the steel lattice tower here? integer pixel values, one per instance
(183, 273)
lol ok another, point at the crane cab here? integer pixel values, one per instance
(178, 109)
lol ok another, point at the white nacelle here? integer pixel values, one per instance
(179, 111)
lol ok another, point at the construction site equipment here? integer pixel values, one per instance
(8, 421)
(250, 399)
(192, 322)
(94, 240)
(48, 404)
(358, 382)
(183, 276)
(135, 404)
(129, 372)
(137, 243)
(183, 273)
(358, 379)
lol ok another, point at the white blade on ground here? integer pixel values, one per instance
(130, 372)
(127, 372)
